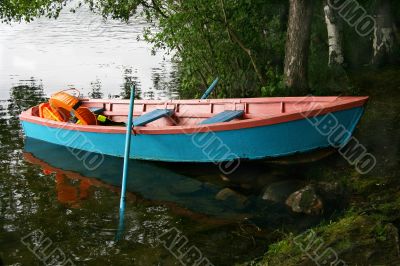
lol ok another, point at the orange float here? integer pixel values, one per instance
(48, 112)
(63, 102)
(85, 116)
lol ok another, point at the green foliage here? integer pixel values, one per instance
(19, 10)
(275, 85)
(115, 9)
(214, 38)
(241, 42)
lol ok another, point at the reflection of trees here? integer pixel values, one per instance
(130, 78)
(22, 97)
(96, 88)
(165, 83)
(18, 185)
(8, 141)
(149, 95)
(5, 137)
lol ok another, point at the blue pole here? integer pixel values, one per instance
(126, 160)
(210, 89)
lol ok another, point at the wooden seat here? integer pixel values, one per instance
(152, 116)
(224, 116)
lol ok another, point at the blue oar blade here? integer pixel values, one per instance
(210, 89)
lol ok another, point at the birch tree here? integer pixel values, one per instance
(383, 33)
(334, 29)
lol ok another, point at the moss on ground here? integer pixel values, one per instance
(355, 238)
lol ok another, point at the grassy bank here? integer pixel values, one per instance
(366, 231)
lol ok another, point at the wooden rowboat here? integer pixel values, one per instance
(219, 130)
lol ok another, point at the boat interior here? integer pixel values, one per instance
(155, 113)
(201, 112)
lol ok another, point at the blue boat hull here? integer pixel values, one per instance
(254, 143)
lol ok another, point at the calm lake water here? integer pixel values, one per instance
(81, 50)
(48, 193)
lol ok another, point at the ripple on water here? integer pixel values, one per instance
(72, 49)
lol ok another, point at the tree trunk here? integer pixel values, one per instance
(383, 34)
(297, 46)
(334, 29)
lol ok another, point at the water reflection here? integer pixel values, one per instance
(130, 78)
(96, 90)
(165, 83)
(146, 179)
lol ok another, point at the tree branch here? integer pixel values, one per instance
(234, 38)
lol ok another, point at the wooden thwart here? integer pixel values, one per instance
(152, 116)
(224, 116)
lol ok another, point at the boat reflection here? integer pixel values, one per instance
(147, 180)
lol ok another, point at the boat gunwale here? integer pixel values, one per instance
(333, 104)
(229, 100)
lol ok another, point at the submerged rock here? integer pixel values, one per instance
(306, 201)
(229, 194)
(224, 177)
(187, 185)
(279, 191)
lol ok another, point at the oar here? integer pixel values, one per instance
(210, 89)
(126, 160)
